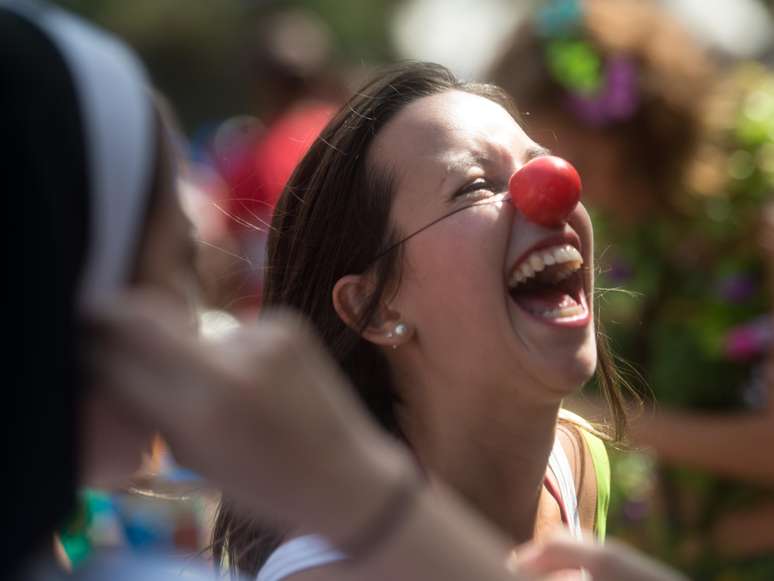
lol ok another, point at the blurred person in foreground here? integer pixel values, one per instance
(296, 93)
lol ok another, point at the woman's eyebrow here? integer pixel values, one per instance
(468, 159)
(461, 163)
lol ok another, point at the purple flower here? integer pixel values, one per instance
(620, 271)
(737, 288)
(622, 93)
(636, 510)
(590, 110)
(750, 340)
(617, 100)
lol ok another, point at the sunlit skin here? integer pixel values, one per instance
(482, 380)
(114, 444)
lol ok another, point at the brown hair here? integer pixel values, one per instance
(332, 220)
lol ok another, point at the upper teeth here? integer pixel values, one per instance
(539, 259)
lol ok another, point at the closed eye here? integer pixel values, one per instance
(479, 188)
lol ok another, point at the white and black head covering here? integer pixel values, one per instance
(118, 133)
(77, 158)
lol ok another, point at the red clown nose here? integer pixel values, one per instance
(546, 189)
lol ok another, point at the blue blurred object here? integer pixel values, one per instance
(559, 18)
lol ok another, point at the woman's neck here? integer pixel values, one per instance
(492, 450)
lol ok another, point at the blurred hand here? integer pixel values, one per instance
(261, 414)
(563, 557)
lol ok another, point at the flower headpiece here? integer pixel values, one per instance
(601, 90)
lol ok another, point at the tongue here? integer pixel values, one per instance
(545, 299)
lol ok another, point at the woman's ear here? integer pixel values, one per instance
(351, 295)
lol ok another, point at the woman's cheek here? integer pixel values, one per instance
(580, 221)
(461, 259)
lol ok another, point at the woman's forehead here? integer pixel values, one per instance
(450, 130)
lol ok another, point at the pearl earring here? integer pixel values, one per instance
(400, 330)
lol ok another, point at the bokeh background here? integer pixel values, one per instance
(667, 109)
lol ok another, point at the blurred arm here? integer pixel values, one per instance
(733, 445)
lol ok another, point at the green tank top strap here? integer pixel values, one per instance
(601, 463)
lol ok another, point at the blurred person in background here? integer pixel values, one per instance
(613, 87)
(296, 93)
(676, 156)
(444, 347)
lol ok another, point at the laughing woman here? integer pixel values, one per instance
(462, 323)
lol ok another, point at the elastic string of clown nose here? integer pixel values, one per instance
(496, 199)
(545, 190)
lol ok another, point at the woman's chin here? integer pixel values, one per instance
(567, 375)
(581, 374)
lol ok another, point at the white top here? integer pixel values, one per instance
(310, 551)
(297, 555)
(559, 465)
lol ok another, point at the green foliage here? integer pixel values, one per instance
(696, 278)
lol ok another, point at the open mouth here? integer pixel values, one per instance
(547, 283)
